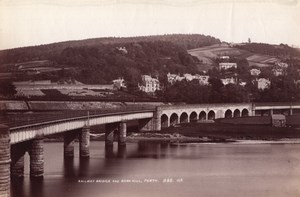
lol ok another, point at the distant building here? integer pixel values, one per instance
(228, 80)
(227, 65)
(149, 84)
(243, 83)
(41, 82)
(172, 78)
(203, 79)
(297, 82)
(255, 72)
(278, 71)
(46, 84)
(189, 77)
(281, 65)
(263, 83)
(224, 57)
(119, 83)
(122, 49)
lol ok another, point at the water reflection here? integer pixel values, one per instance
(84, 164)
(69, 167)
(122, 152)
(109, 151)
(206, 170)
(36, 187)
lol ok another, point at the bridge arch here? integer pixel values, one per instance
(228, 113)
(202, 115)
(174, 119)
(184, 118)
(237, 113)
(245, 112)
(164, 121)
(211, 115)
(193, 116)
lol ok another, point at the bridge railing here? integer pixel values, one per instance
(19, 120)
(206, 105)
(277, 104)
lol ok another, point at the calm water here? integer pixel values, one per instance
(153, 169)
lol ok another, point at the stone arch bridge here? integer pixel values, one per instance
(170, 115)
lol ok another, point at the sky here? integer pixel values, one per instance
(35, 22)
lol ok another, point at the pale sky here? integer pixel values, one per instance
(35, 22)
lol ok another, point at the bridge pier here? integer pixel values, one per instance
(36, 154)
(151, 124)
(17, 167)
(109, 133)
(4, 161)
(84, 142)
(146, 124)
(122, 134)
(69, 138)
(17, 159)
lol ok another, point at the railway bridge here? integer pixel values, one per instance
(19, 137)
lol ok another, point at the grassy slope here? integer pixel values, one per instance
(208, 54)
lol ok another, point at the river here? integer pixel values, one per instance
(154, 169)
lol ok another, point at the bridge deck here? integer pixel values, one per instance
(13, 120)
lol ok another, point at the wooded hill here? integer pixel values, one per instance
(101, 60)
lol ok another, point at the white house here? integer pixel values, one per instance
(227, 65)
(263, 83)
(119, 83)
(281, 65)
(278, 71)
(255, 72)
(228, 80)
(203, 79)
(149, 84)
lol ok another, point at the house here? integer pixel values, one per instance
(119, 83)
(243, 83)
(224, 57)
(228, 80)
(149, 84)
(203, 79)
(189, 77)
(281, 65)
(255, 72)
(227, 65)
(278, 71)
(172, 78)
(122, 49)
(263, 83)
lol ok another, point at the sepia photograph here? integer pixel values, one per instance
(152, 98)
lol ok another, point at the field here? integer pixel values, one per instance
(207, 55)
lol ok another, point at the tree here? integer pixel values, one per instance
(7, 88)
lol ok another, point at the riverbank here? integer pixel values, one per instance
(174, 138)
(220, 133)
(208, 133)
(234, 132)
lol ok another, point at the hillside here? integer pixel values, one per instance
(101, 60)
(207, 55)
(43, 52)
